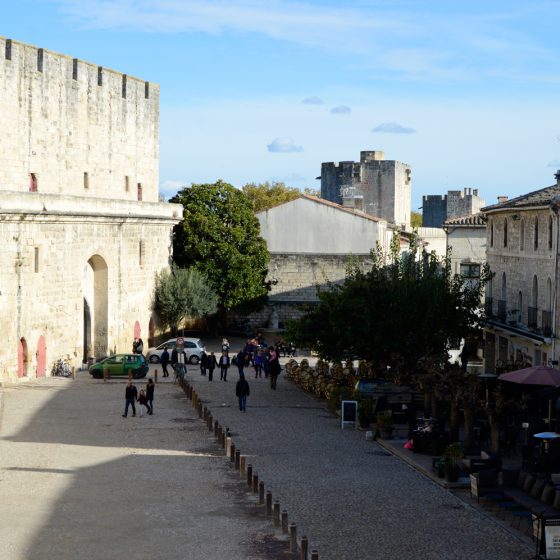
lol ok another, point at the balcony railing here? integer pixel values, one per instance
(532, 317)
(547, 323)
(488, 307)
(502, 310)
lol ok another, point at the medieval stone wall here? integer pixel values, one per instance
(78, 128)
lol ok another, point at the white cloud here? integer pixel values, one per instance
(283, 145)
(169, 187)
(393, 128)
(341, 110)
(291, 178)
(314, 100)
(554, 163)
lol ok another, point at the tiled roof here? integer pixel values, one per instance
(343, 208)
(478, 219)
(542, 197)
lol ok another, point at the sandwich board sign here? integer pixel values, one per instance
(349, 414)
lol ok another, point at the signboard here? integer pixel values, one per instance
(348, 413)
(552, 539)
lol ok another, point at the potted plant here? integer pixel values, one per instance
(384, 423)
(452, 455)
(365, 412)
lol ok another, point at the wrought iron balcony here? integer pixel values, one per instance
(547, 323)
(502, 310)
(532, 317)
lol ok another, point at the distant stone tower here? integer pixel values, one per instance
(375, 185)
(438, 208)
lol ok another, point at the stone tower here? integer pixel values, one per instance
(375, 185)
(438, 208)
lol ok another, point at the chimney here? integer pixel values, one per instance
(502, 199)
(557, 176)
(475, 192)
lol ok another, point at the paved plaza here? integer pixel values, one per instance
(76, 476)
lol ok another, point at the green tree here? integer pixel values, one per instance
(264, 196)
(220, 236)
(395, 315)
(415, 219)
(182, 293)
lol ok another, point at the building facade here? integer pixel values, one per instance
(522, 299)
(83, 232)
(311, 243)
(436, 209)
(374, 185)
(466, 243)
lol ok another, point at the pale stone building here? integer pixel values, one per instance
(83, 232)
(522, 299)
(374, 185)
(466, 241)
(311, 242)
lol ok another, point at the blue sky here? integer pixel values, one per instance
(467, 93)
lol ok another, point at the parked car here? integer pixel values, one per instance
(193, 348)
(121, 364)
(367, 387)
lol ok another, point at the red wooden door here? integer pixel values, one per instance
(137, 330)
(41, 357)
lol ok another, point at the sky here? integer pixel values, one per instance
(467, 93)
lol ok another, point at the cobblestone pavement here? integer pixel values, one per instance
(352, 499)
(79, 481)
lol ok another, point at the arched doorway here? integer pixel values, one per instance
(23, 358)
(96, 308)
(41, 357)
(137, 330)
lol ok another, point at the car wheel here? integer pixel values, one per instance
(154, 359)
(194, 359)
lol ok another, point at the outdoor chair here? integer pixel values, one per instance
(483, 483)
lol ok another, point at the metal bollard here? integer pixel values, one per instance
(227, 446)
(210, 422)
(155, 375)
(73, 373)
(237, 459)
(314, 555)
(284, 521)
(293, 538)
(242, 462)
(200, 409)
(249, 475)
(130, 375)
(106, 374)
(261, 492)
(268, 502)
(255, 483)
(216, 428)
(304, 545)
(276, 515)
(205, 413)
(232, 452)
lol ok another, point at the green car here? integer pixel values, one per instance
(121, 365)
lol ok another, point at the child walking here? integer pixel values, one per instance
(143, 402)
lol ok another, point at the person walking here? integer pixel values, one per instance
(150, 387)
(179, 362)
(266, 363)
(139, 346)
(242, 391)
(225, 346)
(203, 362)
(224, 363)
(211, 363)
(240, 361)
(164, 361)
(258, 362)
(143, 402)
(130, 398)
(274, 367)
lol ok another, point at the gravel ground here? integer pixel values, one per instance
(350, 497)
(79, 481)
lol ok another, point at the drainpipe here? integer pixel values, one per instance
(555, 208)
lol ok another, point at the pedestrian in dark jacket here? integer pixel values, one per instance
(258, 362)
(240, 361)
(130, 397)
(164, 361)
(150, 386)
(211, 363)
(273, 366)
(203, 362)
(224, 363)
(242, 391)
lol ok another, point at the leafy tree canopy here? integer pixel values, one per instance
(182, 293)
(268, 195)
(220, 236)
(416, 219)
(394, 315)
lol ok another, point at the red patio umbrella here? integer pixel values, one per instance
(536, 375)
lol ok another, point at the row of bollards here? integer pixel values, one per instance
(256, 486)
